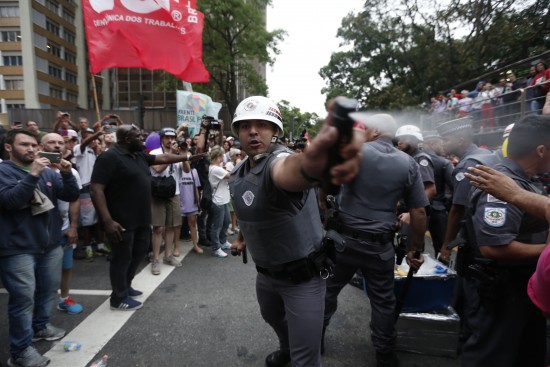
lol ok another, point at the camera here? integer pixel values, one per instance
(210, 123)
(112, 116)
(53, 157)
(182, 144)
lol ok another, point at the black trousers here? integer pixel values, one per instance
(125, 259)
(510, 332)
(437, 225)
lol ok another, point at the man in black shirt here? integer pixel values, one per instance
(121, 192)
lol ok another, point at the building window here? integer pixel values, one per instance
(68, 15)
(70, 57)
(9, 11)
(15, 105)
(69, 36)
(70, 77)
(54, 49)
(10, 36)
(55, 71)
(12, 60)
(14, 84)
(52, 27)
(72, 97)
(56, 92)
(53, 6)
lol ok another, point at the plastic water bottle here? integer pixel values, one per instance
(70, 346)
(101, 362)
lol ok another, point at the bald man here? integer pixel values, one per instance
(368, 223)
(121, 193)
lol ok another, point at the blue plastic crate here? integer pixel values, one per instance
(428, 292)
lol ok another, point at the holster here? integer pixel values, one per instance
(492, 281)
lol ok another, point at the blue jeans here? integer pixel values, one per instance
(220, 222)
(32, 282)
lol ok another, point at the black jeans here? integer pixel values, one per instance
(125, 259)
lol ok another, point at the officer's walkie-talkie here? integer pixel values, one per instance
(344, 124)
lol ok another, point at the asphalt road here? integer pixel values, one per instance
(202, 314)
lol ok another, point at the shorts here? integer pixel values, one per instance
(230, 206)
(166, 212)
(67, 254)
(88, 215)
(190, 214)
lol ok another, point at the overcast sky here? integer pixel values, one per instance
(311, 26)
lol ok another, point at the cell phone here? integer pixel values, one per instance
(53, 157)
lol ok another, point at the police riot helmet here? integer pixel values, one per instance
(257, 108)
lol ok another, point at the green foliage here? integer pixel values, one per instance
(398, 53)
(302, 120)
(235, 44)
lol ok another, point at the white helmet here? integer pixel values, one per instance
(257, 108)
(409, 130)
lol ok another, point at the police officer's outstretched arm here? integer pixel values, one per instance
(298, 172)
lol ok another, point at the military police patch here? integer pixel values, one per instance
(424, 163)
(460, 176)
(495, 217)
(248, 197)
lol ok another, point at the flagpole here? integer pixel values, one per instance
(94, 90)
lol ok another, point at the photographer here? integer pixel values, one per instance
(210, 128)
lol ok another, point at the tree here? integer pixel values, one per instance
(301, 120)
(235, 45)
(399, 53)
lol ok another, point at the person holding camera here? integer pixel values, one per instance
(279, 221)
(30, 251)
(166, 211)
(219, 210)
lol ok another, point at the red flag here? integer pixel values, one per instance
(152, 34)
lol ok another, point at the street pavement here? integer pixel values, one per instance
(201, 314)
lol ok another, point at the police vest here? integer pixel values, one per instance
(380, 184)
(441, 166)
(278, 226)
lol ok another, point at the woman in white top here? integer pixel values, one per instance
(219, 211)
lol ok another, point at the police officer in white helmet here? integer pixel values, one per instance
(280, 224)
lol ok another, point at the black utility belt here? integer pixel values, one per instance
(367, 236)
(297, 271)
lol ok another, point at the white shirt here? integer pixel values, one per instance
(84, 163)
(176, 169)
(220, 186)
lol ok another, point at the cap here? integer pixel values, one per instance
(167, 131)
(381, 121)
(455, 126)
(72, 134)
(233, 152)
(430, 135)
(90, 130)
(540, 282)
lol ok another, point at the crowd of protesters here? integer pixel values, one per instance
(496, 102)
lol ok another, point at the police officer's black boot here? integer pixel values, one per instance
(386, 360)
(278, 358)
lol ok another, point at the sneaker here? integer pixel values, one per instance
(134, 293)
(29, 357)
(155, 267)
(219, 253)
(49, 333)
(171, 260)
(226, 246)
(104, 251)
(230, 232)
(89, 254)
(127, 304)
(69, 306)
(236, 229)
